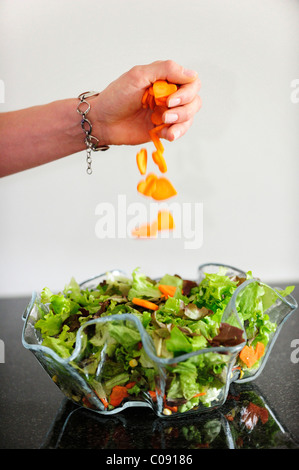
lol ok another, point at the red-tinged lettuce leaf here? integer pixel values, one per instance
(228, 336)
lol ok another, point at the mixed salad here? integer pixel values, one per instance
(179, 317)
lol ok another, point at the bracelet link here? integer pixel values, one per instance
(91, 142)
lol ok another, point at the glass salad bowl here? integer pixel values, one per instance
(177, 351)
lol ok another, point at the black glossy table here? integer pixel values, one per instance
(35, 415)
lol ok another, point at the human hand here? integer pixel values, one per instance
(118, 117)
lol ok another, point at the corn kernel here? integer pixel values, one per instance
(133, 363)
(167, 412)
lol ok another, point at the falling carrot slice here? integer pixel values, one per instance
(163, 190)
(165, 220)
(160, 161)
(147, 186)
(141, 159)
(146, 230)
(156, 140)
(141, 186)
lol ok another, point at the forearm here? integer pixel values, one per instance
(38, 135)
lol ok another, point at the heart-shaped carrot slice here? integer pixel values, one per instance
(162, 89)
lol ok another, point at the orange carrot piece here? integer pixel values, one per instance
(150, 187)
(160, 161)
(163, 190)
(151, 102)
(141, 186)
(162, 88)
(118, 394)
(250, 356)
(247, 355)
(153, 395)
(144, 98)
(158, 128)
(145, 303)
(156, 140)
(199, 394)
(104, 401)
(141, 159)
(161, 101)
(147, 186)
(146, 230)
(157, 114)
(259, 350)
(165, 220)
(130, 385)
(168, 291)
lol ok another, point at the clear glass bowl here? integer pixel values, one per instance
(82, 383)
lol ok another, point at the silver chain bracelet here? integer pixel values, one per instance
(92, 143)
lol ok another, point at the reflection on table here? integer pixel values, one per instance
(244, 421)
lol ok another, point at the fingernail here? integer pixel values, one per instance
(174, 102)
(190, 73)
(176, 134)
(170, 117)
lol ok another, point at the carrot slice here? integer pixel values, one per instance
(259, 350)
(163, 190)
(141, 186)
(250, 356)
(146, 230)
(105, 402)
(156, 140)
(147, 186)
(130, 385)
(141, 159)
(162, 88)
(118, 394)
(153, 395)
(157, 114)
(158, 128)
(165, 220)
(199, 394)
(168, 291)
(150, 187)
(145, 303)
(144, 98)
(160, 161)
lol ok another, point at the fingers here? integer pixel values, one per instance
(185, 94)
(175, 131)
(182, 113)
(145, 75)
(184, 104)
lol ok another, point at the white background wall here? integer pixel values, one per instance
(240, 159)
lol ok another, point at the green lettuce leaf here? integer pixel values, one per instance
(143, 287)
